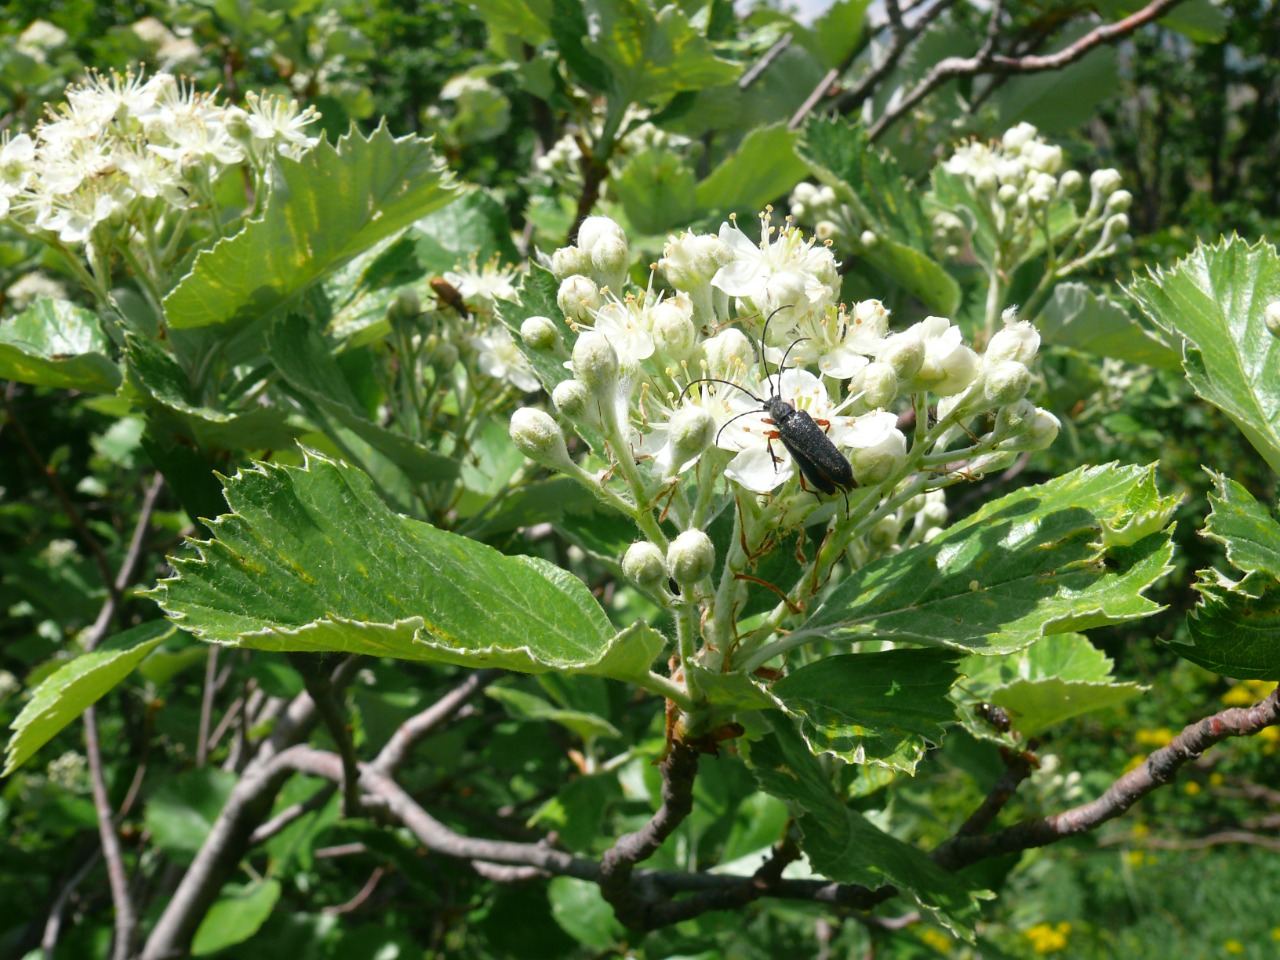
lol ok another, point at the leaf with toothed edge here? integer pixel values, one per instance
(1071, 554)
(310, 559)
(325, 209)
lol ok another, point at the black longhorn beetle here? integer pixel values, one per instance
(817, 457)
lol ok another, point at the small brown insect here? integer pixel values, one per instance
(449, 296)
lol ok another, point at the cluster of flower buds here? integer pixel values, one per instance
(818, 204)
(678, 384)
(1016, 183)
(561, 165)
(130, 149)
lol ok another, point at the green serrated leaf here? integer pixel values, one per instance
(1077, 317)
(657, 190)
(843, 844)
(311, 559)
(235, 916)
(1053, 680)
(841, 155)
(473, 226)
(1213, 300)
(1029, 564)
(527, 706)
(923, 277)
(764, 167)
(878, 708)
(1235, 629)
(649, 52)
(54, 343)
(328, 207)
(77, 685)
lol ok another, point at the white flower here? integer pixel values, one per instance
(626, 324)
(499, 357)
(1019, 340)
(949, 366)
(275, 121)
(16, 159)
(787, 272)
(484, 285)
(841, 344)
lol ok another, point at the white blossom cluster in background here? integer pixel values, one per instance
(674, 383)
(1022, 176)
(1013, 185)
(561, 165)
(497, 354)
(138, 151)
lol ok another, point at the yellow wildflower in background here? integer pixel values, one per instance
(1047, 938)
(938, 940)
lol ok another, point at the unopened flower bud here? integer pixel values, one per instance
(726, 352)
(572, 398)
(1044, 430)
(1119, 202)
(885, 533)
(959, 369)
(609, 261)
(673, 330)
(577, 297)
(595, 230)
(825, 230)
(881, 461)
(868, 238)
(540, 438)
(539, 333)
(934, 513)
(1045, 157)
(1019, 340)
(985, 180)
(1105, 182)
(904, 352)
(404, 311)
(1116, 226)
(1005, 383)
(1014, 419)
(690, 433)
(1016, 137)
(689, 261)
(1271, 317)
(1008, 195)
(568, 261)
(595, 363)
(691, 557)
(1070, 182)
(644, 564)
(878, 383)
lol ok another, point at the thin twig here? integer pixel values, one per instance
(1019, 768)
(292, 813)
(358, 900)
(206, 706)
(761, 65)
(128, 566)
(1160, 768)
(987, 61)
(53, 925)
(326, 701)
(678, 772)
(126, 924)
(420, 725)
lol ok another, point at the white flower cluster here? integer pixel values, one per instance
(1020, 178)
(818, 205)
(562, 163)
(130, 149)
(674, 379)
(497, 355)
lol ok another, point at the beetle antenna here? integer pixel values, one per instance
(716, 441)
(783, 364)
(729, 383)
